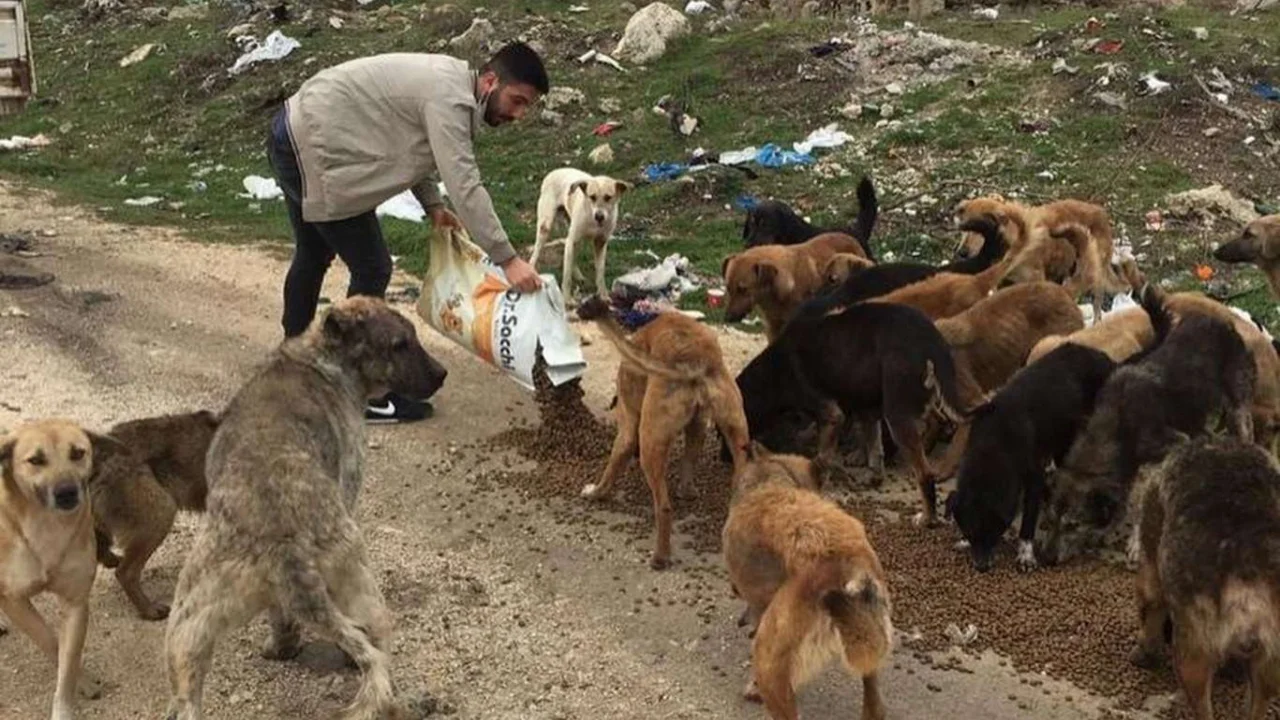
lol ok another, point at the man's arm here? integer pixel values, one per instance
(449, 132)
(428, 194)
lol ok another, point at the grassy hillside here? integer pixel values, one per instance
(176, 126)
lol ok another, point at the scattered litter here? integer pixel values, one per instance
(1200, 33)
(745, 203)
(664, 171)
(697, 7)
(1211, 132)
(139, 54)
(276, 47)
(959, 637)
(1060, 66)
(1046, 175)
(1093, 25)
(987, 13)
(1219, 82)
(829, 136)
(738, 157)
(1204, 272)
(602, 155)
(1154, 220)
(686, 124)
(667, 279)
(261, 188)
(715, 297)
(894, 88)
(1149, 84)
(772, 156)
(335, 22)
(1208, 202)
(600, 58)
(19, 142)
(1266, 92)
(404, 206)
(15, 312)
(1250, 140)
(579, 9)
(606, 128)
(144, 201)
(1109, 47)
(1112, 99)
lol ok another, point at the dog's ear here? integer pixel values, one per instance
(621, 187)
(104, 447)
(580, 185)
(784, 283)
(209, 417)
(724, 265)
(340, 326)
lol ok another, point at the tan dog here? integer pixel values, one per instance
(1120, 335)
(990, 340)
(779, 278)
(139, 489)
(672, 378)
(1042, 252)
(590, 205)
(841, 266)
(46, 543)
(946, 294)
(810, 578)
(1259, 243)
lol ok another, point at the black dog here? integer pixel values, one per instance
(872, 361)
(1031, 421)
(773, 222)
(1200, 368)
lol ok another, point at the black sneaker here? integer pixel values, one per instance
(393, 408)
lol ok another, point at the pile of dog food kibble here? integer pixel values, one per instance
(1075, 623)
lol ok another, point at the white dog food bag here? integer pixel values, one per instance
(466, 298)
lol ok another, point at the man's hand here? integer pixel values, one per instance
(442, 219)
(521, 275)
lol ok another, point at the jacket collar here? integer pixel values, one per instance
(477, 112)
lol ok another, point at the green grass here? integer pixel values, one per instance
(156, 127)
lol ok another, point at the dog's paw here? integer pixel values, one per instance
(1026, 557)
(89, 687)
(155, 611)
(751, 693)
(659, 562)
(923, 519)
(961, 544)
(1142, 657)
(282, 650)
(592, 491)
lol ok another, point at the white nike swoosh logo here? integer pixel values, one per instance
(388, 410)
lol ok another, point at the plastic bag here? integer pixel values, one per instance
(466, 298)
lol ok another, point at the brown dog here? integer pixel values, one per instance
(1209, 521)
(46, 542)
(778, 278)
(810, 578)
(990, 340)
(1259, 244)
(139, 489)
(1043, 252)
(841, 266)
(1120, 335)
(671, 379)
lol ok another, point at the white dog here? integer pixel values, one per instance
(591, 205)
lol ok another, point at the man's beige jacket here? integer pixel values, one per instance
(370, 128)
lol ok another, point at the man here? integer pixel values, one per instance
(359, 133)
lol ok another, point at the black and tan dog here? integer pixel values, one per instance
(1195, 370)
(1209, 531)
(810, 578)
(157, 470)
(1259, 244)
(774, 223)
(1031, 422)
(671, 380)
(285, 469)
(47, 545)
(871, 361)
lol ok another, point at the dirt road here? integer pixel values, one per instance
(503, 610)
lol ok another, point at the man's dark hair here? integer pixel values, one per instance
(518, 63)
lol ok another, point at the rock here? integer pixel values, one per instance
(886, 110)
(1210, 202)
(152, 15)
(198, 11)
(1251, 5)
(602, 155)
(239, 31)
(1211, 132)
(648, 32)
(852, 111)
(477, 37)
(1200, 33)
(552, 118)
(140, 53)
(894, 88)
(610, 106)
(561, 96)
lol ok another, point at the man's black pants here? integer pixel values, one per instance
(357, 240)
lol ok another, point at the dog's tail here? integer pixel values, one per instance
(994, 256)
(853, 597)
(865, 222)
(597, 309)
(1152, 299)
(940, 380)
